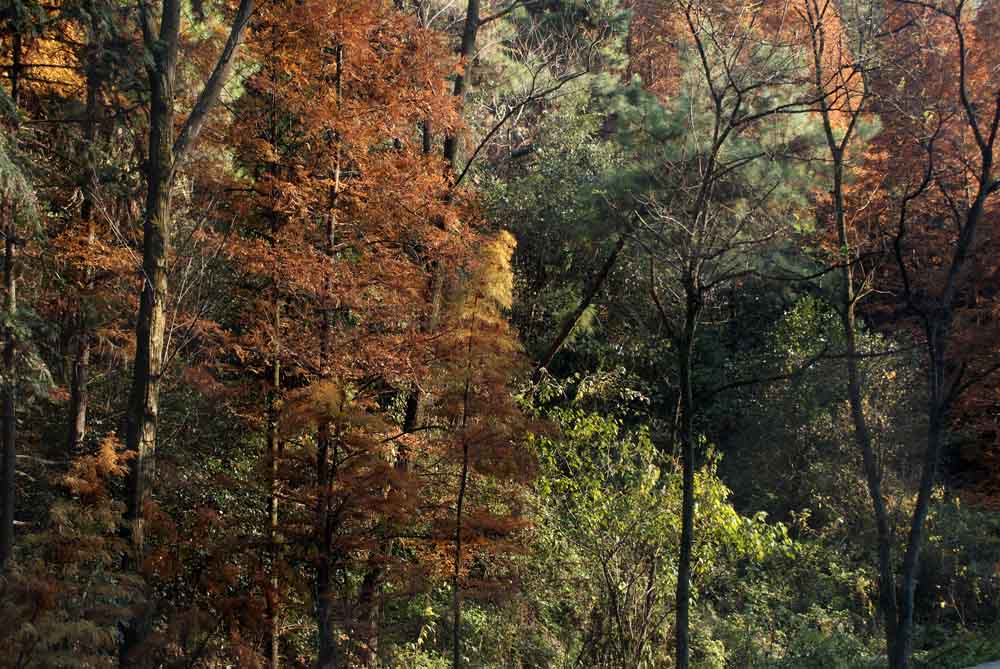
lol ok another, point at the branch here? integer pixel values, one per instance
(508, 9)
(562, 81)
(213, 87)
(767, 379)
(570, 323)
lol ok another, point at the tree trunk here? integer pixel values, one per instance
(8, 504)
(164, 152)
(862, 435)
(685, 351)
(144, 397)
(274, 538)
(466, 52)
(327, 656)
(411, 420)
(847, 303)
(903, 647)
(9, 430)
(456, 590)
(79, 393)
(325, 473)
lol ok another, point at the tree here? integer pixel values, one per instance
(14, 193)
(166, 154)
(718, 191)
(844, 51)
(932, 219)
(480, 354)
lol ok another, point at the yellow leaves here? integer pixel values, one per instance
(53, 63)
(324, 401)
(497, 275)
(491, 288)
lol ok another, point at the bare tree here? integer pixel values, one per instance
(707, 213)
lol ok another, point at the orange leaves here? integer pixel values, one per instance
(89, 475)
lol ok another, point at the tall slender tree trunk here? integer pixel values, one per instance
(144, 396)
(273, 642)
(164, 152)
(456, 582)
(862, 434)
(79, 391)
(847, 311)
(685, 352)
(325, 472)
(274, 534)
(374, 575)
(467, 53)
(8, 431)
(327, 652)
(456, 585)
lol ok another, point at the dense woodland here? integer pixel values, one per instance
(623, 334)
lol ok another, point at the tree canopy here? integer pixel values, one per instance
(624, 334)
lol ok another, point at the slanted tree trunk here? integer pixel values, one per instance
(588, 298)
(849, 298)
(862, 434)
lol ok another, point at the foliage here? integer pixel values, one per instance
(426, 407)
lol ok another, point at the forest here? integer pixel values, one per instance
(500, 334)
